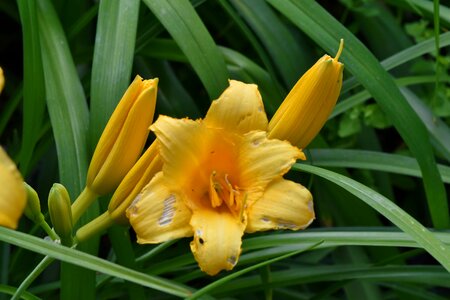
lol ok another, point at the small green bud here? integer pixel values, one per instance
(33, 208)
(61, 213)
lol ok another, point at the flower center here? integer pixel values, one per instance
(221, 191)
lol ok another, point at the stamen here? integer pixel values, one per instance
(214, 188)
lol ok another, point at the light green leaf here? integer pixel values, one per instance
(389, 210)
(91, 262)
(113, 60)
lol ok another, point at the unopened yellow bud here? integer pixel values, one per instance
(61, 213)
(139, 176)
(2, 80)
(33, 208)
(308, 105)
(12, 193)
(124, 137)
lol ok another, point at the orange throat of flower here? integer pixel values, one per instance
(214, 182)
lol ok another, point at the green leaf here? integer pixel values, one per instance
(113, 59)
(218, 283)
(68, 112)
(303, 274)
(404, 56)
(438, 129)
(284, 50)
(65, 100)
(371, 160)
(335, 237)
(389, 210)
(33, 87)
(191, 35)
(91, 262)
(309, 16)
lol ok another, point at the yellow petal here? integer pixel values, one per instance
(12, 193)
(158, 214)
(182, 146)
(262, 160)
(239, 109)
(308, 105)
(284, 205)
(217, 240)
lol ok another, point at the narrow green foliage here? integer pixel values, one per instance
(187, 29)
(390, 210)
(325, 30)
(112, 61)
(33, 88)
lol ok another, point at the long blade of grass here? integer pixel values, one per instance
(371, 160)
(424, 8)
(310, 17)
(9, 290)
(361, 97)
(113, 59)
(169, 50)
(276, 37)
(191, 35)
(65, 100)
(68, 112)
(404, 56)
(339, 236)
(220, 282)
(33, 86)
(91, 262)
(438, 129)
(389, 210)
(303, 274)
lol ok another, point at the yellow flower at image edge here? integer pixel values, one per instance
(12, 193)
(2, 80)
(221, 177)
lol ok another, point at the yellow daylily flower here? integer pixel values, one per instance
(310, 102)
(121, 142)
(13, 196)
(221, 177)
(2, 80)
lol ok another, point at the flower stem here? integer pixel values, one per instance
(48, 230)
(82, 203)
(94, 227)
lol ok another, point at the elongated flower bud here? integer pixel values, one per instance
(12, 193)
(124, 137)
(61, 213)
(33, 208)
(308, 105)
(139, 176)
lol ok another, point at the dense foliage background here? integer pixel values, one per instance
(379, 170)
